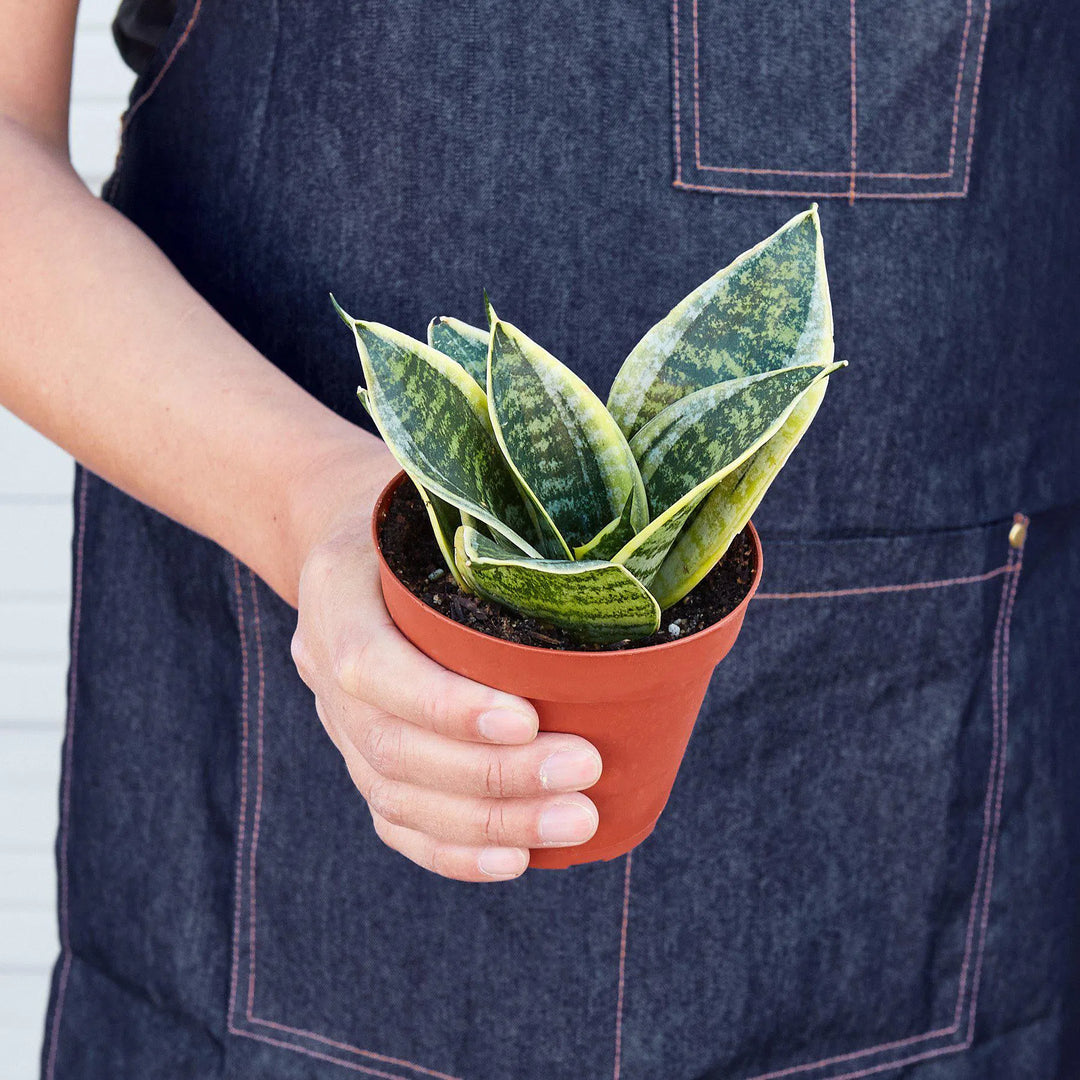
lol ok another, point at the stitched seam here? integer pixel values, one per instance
(854, 109)
(145, 96)
(823, 194)
(65, 805)
(995, 785)
(675, 63)
(959, 83)
(355, 1066)
(852, 173)
(242, 840)
(255, 820)
(872, 589)
(983, 887)
(242, 824)
(622, 967)
(975, 96)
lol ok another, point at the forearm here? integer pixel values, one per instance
(112, 355)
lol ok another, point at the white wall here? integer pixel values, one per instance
(35, 536)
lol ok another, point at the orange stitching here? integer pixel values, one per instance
(65, 809)
(677, 118)
(622, 968)
(141, 100)
(256, 817)
(854, 110)
(868, 589)
(975, 95)
(852, 173)
(241, 841)
(959, 82)
(824, 194)
(697, 91)
(983, 885)
(242, 825)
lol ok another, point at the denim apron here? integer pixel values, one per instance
(869, 864)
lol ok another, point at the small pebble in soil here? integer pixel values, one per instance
(409, 548)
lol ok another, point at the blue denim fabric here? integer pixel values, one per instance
(869, 864)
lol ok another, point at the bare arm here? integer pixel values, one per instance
(108, 351)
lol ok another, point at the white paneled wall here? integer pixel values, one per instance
(35, 539)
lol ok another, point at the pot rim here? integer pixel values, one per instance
(379, 515)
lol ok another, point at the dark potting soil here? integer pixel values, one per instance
(411, 551)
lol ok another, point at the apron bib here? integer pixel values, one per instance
(869, 862)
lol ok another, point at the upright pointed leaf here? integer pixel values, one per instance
(688, 449)
(769, 309)
(596, 601)
(725, 511)
(461, 342)
(713, 428)
(433, 418)
(444, 518)
(564, 446)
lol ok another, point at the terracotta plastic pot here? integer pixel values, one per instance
(636, 706)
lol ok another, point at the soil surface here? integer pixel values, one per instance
(411, 551)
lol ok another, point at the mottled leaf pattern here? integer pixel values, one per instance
(461, 342)
(598, 601)
(611, 537)
(592, 518)
(725, 511)
(769, 309)
(444, 518)
(562, 443)
(680, 467)
(433, 418)
(713, 429)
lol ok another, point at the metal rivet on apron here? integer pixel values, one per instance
(1017, 534)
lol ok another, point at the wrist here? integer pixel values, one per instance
(332, 491)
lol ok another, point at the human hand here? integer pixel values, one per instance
(455, 774)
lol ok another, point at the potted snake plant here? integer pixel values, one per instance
(596, 520)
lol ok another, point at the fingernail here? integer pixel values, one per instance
(567, 770)
(506, 726)
(566, 823)
(502, 862)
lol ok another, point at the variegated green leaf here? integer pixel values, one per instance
(611, 537)
(564, 446)
(725, 511)
(688, 449)
(769, 309)
(713, 428)
(434, 420)
(444, 518)
(596, 601)
(461, 342)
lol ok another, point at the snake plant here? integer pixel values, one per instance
(594, 517)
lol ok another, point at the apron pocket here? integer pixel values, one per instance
(345, 952)
(815, 900)
(869, 99)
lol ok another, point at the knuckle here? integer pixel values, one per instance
(495, 827)
(496, 779)
(440, 860)
(301, 654)
(386, 798)
(383, 747)
(319, 565)
(352, 664)
(435, 701)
